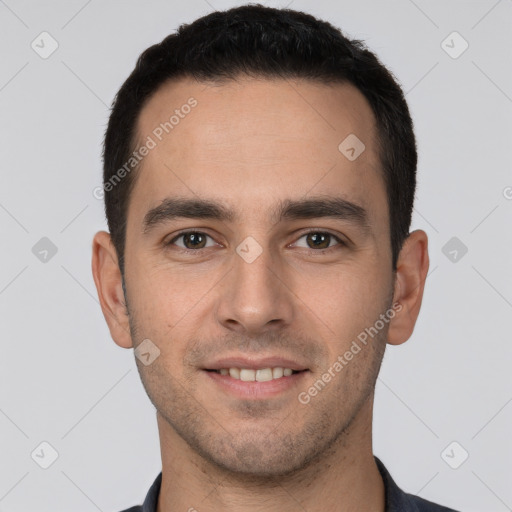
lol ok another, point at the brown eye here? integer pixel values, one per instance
(321, 240)
(191, 240)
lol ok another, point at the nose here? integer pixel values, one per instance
(256, 296)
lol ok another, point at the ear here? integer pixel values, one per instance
(107, 276)
(412, 269)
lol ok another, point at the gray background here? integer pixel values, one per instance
(64, 381)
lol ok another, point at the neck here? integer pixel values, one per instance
(344, 477)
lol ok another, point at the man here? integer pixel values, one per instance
(259, 176)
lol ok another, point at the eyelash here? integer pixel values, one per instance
(341, 243)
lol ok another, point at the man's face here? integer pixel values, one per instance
(257, 291)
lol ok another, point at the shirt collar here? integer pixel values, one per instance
(151, 500)
(396, 499)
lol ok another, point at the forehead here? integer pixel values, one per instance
(251, 142)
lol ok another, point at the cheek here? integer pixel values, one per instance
(345, 289)
(169, 308)
(344, 302)
(164, 296)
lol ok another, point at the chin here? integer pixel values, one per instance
(258, 458)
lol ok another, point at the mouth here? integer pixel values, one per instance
(256, 379)
(256, 375)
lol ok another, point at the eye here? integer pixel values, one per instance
(316, 240)
(320, 240)
(192, 240)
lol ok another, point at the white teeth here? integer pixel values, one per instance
(262, 375)
(277, 373)
(247, 375)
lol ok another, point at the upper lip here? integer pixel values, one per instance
(256, 363)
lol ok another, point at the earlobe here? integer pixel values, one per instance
(107, 277)
(411, 273)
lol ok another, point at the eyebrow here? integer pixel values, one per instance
(288, 209)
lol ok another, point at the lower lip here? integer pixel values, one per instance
(254, 389)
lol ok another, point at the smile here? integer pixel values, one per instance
(261, 375)
(256, 384)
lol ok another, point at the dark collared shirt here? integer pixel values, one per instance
(396, 499)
